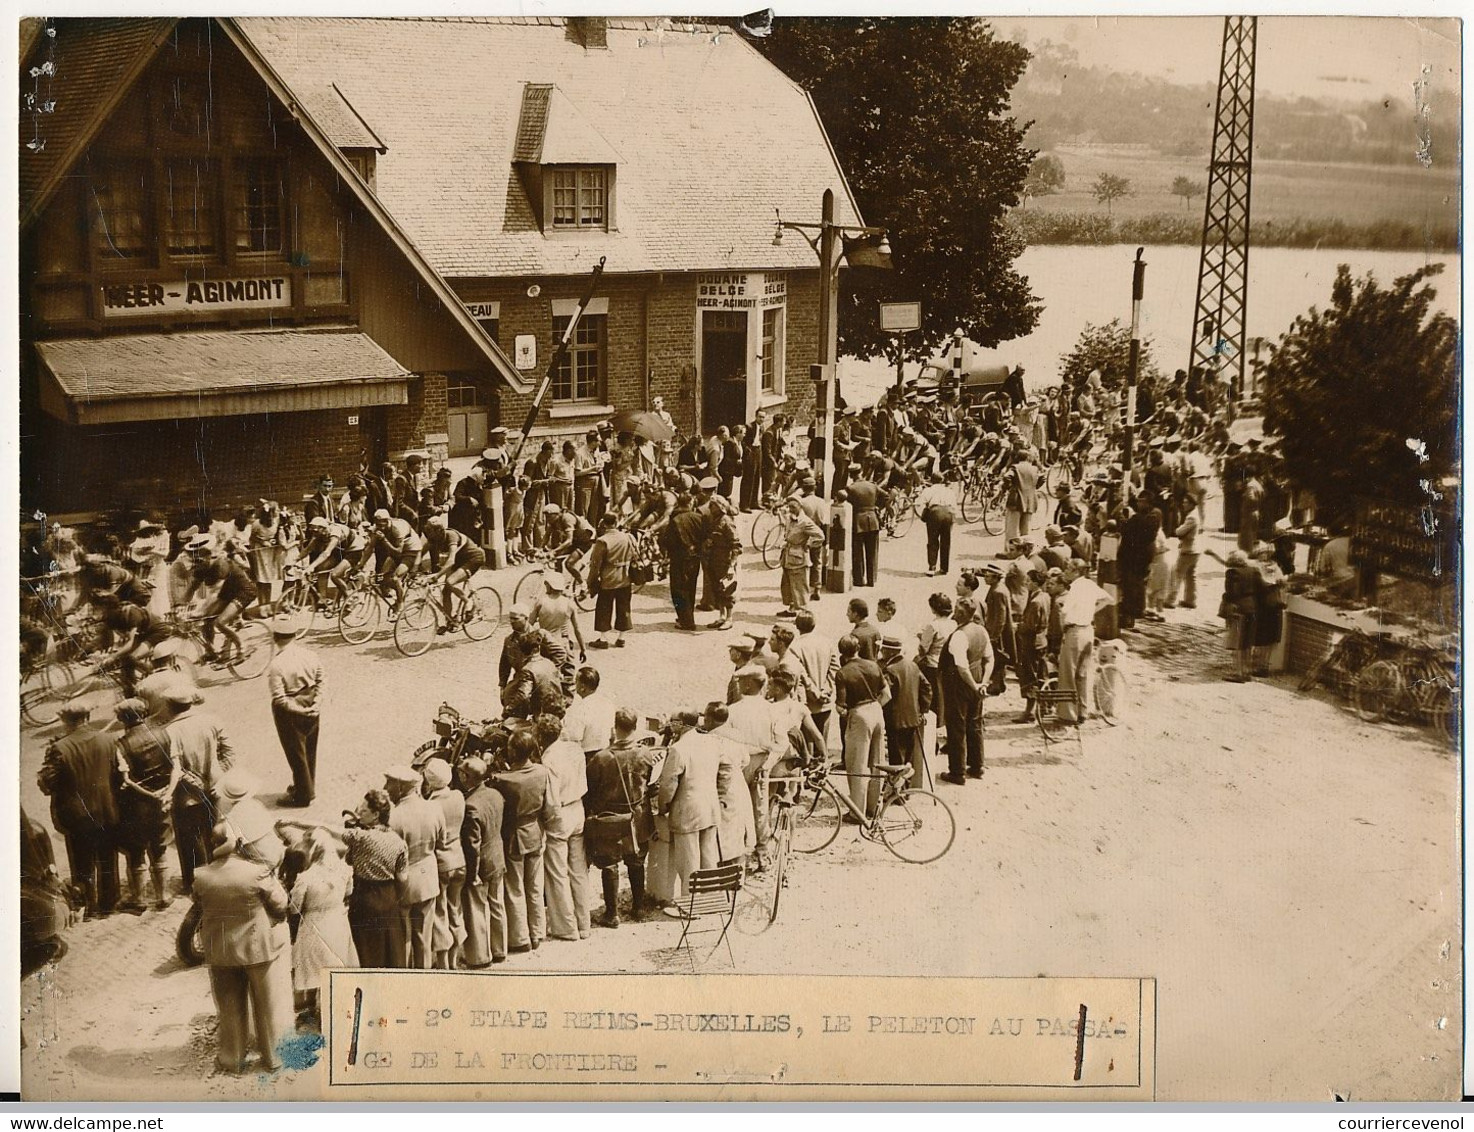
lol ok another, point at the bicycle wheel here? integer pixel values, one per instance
(763, 523)
(992, 511)
(972, 502)
(300, 602)
(1377, 690)
(482, 612)
(257, 649)
(1314, 672)
(773, 548)
(816, 822)
(782, 839)
(529, 586)
(358, 616)
(916, 826)
(414, 628)
(1439, 708)
(902, 518)
(41, 697)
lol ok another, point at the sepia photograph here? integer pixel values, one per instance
(769, 557)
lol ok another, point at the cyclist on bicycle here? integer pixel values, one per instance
(99, 573)
(397, 547)
(133, 630)
(236, 593)
(325, 555)
(656, 504)
(454, 560)
(571, 537)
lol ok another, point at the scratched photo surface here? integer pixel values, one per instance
(312, 308)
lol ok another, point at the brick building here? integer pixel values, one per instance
(256, 249)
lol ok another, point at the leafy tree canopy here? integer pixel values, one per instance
(1108, 187)
(1361, 392)
(1046, 176)
(918, 112)
(1108, 349)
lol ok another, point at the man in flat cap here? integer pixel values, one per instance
(905, 712)
(295, 682)
(77, 774)
(199, 747)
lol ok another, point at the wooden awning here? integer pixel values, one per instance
(150, 377)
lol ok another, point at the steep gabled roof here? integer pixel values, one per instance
(90, 74)
(707, 136)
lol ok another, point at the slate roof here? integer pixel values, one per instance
(161, 365)
(94, 60)
(710, 137)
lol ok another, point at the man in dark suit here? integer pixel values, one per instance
(1023, 494)
(683, 539)
(322, 504)
(536, 682)
(481, 840)
(905, 714)
(1134, 558)
(78, 773)
(866, 498)
(531, 811)
(964, 667)
(243, 912)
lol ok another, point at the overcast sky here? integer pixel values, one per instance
(1317, 56)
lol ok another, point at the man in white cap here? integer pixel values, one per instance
(450, 865)
(422, 825)
(169, 668)
(295, 681)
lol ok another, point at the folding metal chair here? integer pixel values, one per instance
(712, 895)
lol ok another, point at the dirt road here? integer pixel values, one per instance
(1288, 874)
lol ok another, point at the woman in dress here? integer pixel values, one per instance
(1269, 604)
(319, 898)
(1240, 603)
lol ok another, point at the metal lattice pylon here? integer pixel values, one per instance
(1223, 268)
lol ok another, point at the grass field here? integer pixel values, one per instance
(1282, 190)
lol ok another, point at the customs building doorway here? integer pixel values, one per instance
(723, 369)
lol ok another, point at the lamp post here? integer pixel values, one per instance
(827, 245)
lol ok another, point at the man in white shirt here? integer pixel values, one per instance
(565, 867)
(295, 681)
(752, 722)
(815, 659)
(590, 718)
(690, 803)
(1078, 605)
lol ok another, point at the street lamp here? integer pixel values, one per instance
(862, 246)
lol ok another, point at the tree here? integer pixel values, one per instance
(1046, 176)
(1365, 395)
(1108, 349)
(1186, 188)
(918, 113)
(1108, 187)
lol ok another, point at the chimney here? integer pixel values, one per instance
(590, 31)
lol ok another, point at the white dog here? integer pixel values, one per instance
(1110, 680)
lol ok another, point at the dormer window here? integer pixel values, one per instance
(580, 197)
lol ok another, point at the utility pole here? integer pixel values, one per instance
(1138, 284)
(828, 334)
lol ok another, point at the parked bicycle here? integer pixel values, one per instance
(1421, 681)
(915, 825)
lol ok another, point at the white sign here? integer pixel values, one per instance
(129, 299)
(491, 311)
(740, 291)
(899, 318)
(525, 351)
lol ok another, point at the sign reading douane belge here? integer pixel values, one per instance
(740, 291)
(125, 299)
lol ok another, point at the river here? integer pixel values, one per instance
(1086, 284)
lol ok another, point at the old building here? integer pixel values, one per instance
(257, 249)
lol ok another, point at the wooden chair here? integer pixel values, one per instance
(1047, 698)
(712, 894)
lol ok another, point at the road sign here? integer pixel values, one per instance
(899, 318)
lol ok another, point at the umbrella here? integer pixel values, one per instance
(642, 424)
